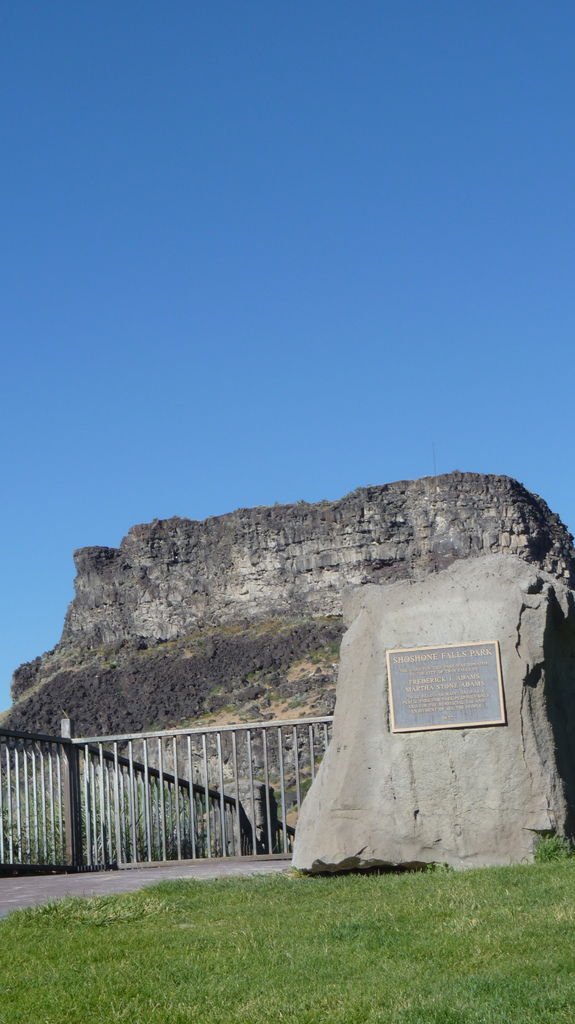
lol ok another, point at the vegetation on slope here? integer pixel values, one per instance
(237, 672)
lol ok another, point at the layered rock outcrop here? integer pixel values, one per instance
(174, 575)
(134, 632)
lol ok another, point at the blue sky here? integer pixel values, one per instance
(254, 253)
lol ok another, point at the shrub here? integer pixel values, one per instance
(553, 847)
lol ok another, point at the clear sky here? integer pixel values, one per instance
(260, 252)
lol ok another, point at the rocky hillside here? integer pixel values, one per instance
(239, 616)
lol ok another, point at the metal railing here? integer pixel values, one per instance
(33, 771)
(179, 794)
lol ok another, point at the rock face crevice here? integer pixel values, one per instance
(131, 656)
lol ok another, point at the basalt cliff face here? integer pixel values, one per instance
(240, 615)
(174, 575)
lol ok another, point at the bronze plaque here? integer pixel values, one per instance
(451, 687)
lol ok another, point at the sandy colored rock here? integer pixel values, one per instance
(466, 796)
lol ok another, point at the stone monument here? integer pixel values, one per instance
(454, 727)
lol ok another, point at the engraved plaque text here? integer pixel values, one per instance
(451, 687)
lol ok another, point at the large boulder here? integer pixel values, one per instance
(460, 796)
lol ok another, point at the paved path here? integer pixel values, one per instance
(28, 891)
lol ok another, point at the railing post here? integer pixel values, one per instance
(72, 806)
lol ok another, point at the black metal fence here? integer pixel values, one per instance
(95, 802)
(33, 774)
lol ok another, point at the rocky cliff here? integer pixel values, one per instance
(174, 575)
(240, 614)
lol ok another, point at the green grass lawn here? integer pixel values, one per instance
(488, 946)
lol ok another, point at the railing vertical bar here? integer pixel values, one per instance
(267, 794)
(177, 798)
(17, 801)
(43, 805)
(230, 828)
(311, 752)
(214, 826)
(87, 805)
(206, 795)
(35, 805)
(282, 790)
(252, 794)
(169, 819)
(140, 803)
(153, 815)
(70, 817)
(117, 816)
(200, 824)
(51, 790)
(162, 799)
(237, 831)
(94, 806)
(9, 823)
(147, 804)
(26, 804)
(141, 814)
(60, 822)
(124, 823)
(296, 767)
(102, 805)
(191, 797)
(222, 795)
(131, 800)
(158, 787)
(108, 771)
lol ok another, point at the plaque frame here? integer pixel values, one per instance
(502, 720)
